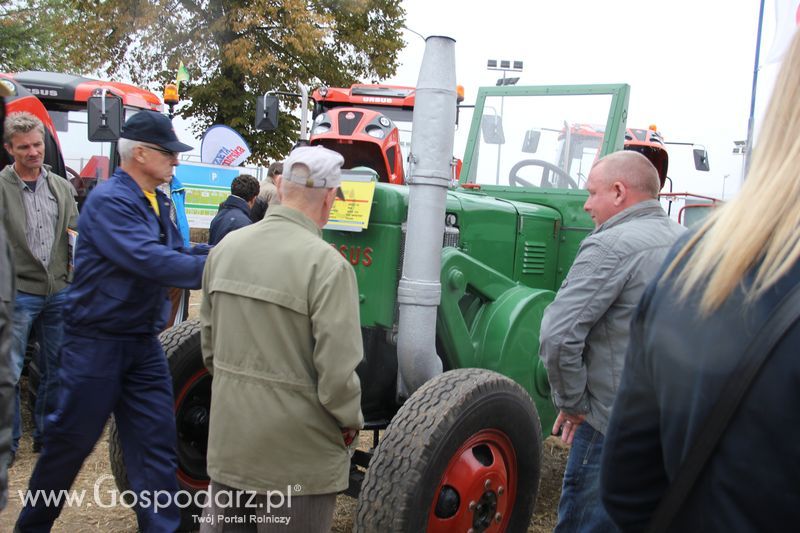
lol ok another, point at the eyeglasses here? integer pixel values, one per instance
(168, 153)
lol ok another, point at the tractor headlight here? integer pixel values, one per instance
(376, 132)
(319, 129)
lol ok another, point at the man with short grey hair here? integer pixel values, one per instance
(585, 331)
(280, 332)
(128, 253)
(39, 209)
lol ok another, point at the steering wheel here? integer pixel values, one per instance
(564, 180)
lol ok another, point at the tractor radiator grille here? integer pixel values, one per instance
(533, 258)
(451, 235)
(349, 121)
(451, 238)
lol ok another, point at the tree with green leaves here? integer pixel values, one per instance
(235, 50)
(34, 36)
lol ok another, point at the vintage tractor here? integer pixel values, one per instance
(453, 282)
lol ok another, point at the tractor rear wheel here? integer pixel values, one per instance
(463, 453)
(191, 384)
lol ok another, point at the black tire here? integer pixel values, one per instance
(461, 412)
(191, 384)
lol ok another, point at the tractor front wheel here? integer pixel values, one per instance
(191, 384)
(462, 454)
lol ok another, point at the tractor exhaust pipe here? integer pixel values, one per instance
(430, 160)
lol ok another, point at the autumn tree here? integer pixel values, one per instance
(236, 50)
(33, 35)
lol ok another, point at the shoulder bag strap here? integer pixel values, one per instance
(762, 345)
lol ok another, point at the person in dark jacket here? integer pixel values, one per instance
(259, 209)
(7, 381)
(234, 212)
(691, 330)
(128, 252)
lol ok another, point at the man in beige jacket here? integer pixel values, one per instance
(281, 336)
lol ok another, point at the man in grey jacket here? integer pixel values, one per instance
(585, 330)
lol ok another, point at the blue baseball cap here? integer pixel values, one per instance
(155, 128)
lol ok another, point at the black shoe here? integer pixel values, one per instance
(37, 446)
(11, 456)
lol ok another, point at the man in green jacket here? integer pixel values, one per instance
(281, 334)
(38, 208)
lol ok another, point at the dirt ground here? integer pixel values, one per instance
(90, 518)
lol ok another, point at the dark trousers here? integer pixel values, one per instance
(98, 377)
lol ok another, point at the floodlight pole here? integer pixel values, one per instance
(751, 118)
(517, 67)
(500, 145)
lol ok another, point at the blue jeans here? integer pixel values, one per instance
(42, 316)
(580, 508)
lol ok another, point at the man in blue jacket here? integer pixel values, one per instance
(127, 252)
(234, 212)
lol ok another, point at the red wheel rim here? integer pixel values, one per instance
(188, 386)
(483, 475)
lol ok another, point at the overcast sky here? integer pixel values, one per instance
(689, 63)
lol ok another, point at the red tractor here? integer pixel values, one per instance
(369, 124)
(21, 99)
(363, 123)
(64, 98)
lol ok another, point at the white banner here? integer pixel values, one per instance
(223, 146)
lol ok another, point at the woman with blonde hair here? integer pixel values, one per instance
(694, 332)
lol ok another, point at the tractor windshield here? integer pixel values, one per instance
(537, 140)
(78, 150)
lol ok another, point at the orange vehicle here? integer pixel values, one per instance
(363, 123)
(691, 207)
(581, 139)
(21, 99)
(65, 97)
(369, 124)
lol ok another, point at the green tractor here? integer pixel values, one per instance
(453, 280)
